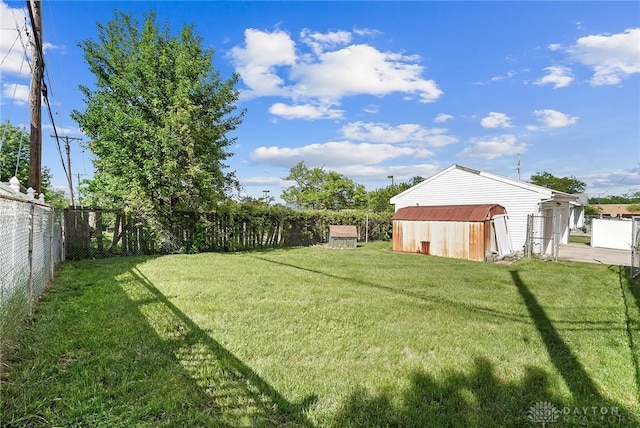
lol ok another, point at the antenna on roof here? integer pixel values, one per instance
(518, 169)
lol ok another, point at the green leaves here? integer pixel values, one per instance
(14, 152)
(316, 188)
(158, 119)
(563, 184)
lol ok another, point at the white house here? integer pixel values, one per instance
(576, 220)
(536, 215)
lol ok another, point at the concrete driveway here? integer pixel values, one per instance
(585, 253)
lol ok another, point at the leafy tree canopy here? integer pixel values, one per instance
(562, 184)
(626, 198)
(14, 161)
(379, 198)
(158, 118)
(14, 153)
(315, 188)
(634, 208)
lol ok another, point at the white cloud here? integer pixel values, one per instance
(12, 41)
(408, 133)
(51, 47)
(508, 75)
(612, 182)
(381, 172)
(494, 147)
(362, 69)
(262, 181)
(367, 32)
(442, 117)
(305, 111)
(16, 92)
(496, 120)
(372, 109)
(554, 119)
(558, 76)
(612, 57)
(269, 65)
(555, 47)
(64, 130)
(319, 42)
(257, 61)
(342, 153)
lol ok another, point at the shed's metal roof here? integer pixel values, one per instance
(337, 231)
(450, 212)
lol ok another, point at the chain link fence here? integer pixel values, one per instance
(31, 246)
(543, 236)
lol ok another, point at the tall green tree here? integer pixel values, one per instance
(315, 188)
(14, 161)
(158, 119)
(563, 184)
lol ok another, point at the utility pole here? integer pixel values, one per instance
(67, 148)
(35, 154)
(518, 166)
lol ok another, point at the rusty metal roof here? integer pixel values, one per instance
(343, 231)
(450, 212)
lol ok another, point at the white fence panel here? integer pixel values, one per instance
(614, 234)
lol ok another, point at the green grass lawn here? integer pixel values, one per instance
(580, 239)
(320, 337)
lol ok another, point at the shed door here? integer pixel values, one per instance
(503, 240)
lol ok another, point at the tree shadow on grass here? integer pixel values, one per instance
(582, 387)
(475, 398)
(479, 398)
(107, 348)
(239, 396)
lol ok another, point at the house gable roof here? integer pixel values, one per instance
(543, 191)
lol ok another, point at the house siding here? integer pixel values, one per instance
(458, 186)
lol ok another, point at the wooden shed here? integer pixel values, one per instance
(343, 236)
(472, 232)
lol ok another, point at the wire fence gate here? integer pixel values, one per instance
(543, 236)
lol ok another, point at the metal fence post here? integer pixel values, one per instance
(52, 260)
(30, 263)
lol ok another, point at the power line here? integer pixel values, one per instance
(10, 49)
(68, 172)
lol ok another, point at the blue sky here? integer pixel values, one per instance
(379, 89)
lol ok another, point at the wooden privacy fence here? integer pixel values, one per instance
(99, 233)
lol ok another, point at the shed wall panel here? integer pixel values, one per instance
(462, 187)
(461, 240)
